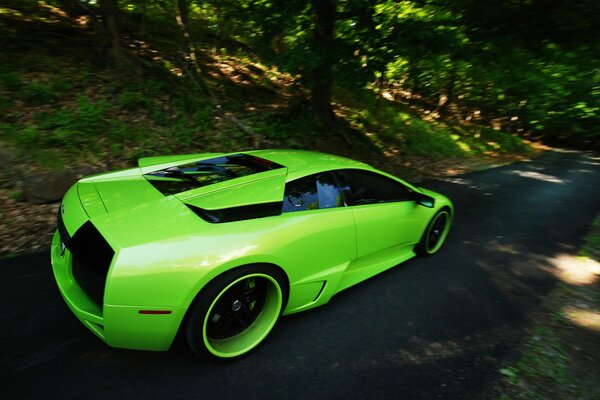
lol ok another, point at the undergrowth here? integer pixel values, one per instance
(58, 110)
(404, 129)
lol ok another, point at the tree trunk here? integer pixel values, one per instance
(181, 17)
(111, 27)
(414, 83)
(448, 97)
(142, 26)
(380, 90)
(192, 68)
(322, 73)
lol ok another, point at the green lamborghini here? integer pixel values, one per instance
(218, 246)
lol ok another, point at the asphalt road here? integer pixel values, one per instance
(430, 328)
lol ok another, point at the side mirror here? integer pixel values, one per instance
(422, 199)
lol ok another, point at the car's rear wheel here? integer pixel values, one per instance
(434, 236)
(236, 311)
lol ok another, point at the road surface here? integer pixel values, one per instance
(430, 328)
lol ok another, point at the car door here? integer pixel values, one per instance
(320, 235)
(385, 215)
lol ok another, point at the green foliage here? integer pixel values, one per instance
(133, 101)
(9, 131)
(159, 116)
(484, 140)
(202, 117)
(423, 139)
(66, 127)
(156, 86)
(61, 86)
(5, 105)
(400, 127)
(119, 132)
(541, 78)
(16, 195)
(29, 136)
(11, 81)
(591, 247)
(544, 361)
(37, 92)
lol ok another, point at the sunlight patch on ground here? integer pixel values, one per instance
(422, 351)
(575, 270)
(538, 176)
(427, 352)
(508, 248)
(589, 319)
(467, 182)
(457, 181)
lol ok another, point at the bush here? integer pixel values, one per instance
(74, 127)
(39, 93)
(30, 136)
(133, 101)
(421, 139)
(5, 105)
(11, 81)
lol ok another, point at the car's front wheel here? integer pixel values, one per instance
(435, 234)
(236, 312)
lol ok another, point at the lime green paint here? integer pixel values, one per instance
(266, 188)
(255, 333)
(90, 199)
(165, 254)
(76, 216)
(305, 294)
(299, 160)
(118, 194)
(125, 327)
(373, 265)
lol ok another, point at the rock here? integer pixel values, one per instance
(42, 187)
(7, 178)
(6, 181)
(5, 157)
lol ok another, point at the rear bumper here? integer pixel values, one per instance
(88, 312)
(117, 325)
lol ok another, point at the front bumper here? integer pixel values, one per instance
(117, 325)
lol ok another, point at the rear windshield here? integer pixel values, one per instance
(185, 177)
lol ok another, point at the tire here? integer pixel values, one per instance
(235, 312)
(435, 234)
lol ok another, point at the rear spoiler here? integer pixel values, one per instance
(158, 160)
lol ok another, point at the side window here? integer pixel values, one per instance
(311, 193)
(365, 187)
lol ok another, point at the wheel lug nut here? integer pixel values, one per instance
(236, 305)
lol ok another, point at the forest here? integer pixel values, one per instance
(416, 88)
(108, 81)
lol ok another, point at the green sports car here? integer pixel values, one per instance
(220, 245)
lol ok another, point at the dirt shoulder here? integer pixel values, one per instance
(560, 356)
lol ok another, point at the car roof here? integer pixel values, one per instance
(300, 160)
(267, 186)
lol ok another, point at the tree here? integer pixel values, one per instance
(322, 72)
(111, 33)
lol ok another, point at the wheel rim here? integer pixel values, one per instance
(436, 234)
(242, 315)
